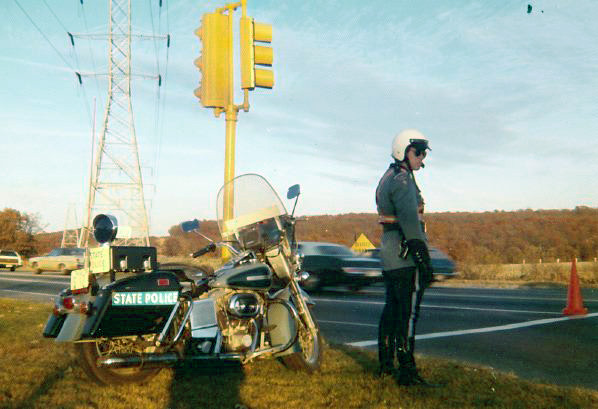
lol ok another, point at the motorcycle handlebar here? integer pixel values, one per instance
(202, 251)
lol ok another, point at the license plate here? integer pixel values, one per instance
(125, 299)
(79, 279)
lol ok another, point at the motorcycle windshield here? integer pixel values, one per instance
(246, 200)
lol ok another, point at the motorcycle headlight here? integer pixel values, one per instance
(244, 305)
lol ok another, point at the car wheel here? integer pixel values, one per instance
(63, 269)
(13, 268)
(35, 268)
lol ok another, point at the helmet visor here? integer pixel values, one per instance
(420, 145)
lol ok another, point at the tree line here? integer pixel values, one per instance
(485, 237)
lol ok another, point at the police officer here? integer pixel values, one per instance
(405, 258)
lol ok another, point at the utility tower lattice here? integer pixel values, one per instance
(116, 185)
(70, 235)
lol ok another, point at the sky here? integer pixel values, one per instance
(507, 99)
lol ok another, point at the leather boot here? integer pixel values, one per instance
(408, 374)
(386, 356)
(407, 369)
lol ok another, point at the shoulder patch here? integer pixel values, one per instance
(402, 177)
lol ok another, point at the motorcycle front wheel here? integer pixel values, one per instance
(88, 354)
(309, 358)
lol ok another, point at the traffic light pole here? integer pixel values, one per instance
(229, 160)
(230, 115)
(217, 87)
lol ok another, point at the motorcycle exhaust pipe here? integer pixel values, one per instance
(133, 361)
(157, 360)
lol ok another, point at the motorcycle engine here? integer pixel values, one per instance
(239, 318)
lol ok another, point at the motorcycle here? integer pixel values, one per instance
(128, 319)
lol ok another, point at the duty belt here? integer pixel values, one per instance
(389, 223)
(383, 219)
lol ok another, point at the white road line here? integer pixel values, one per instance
(348, 301)
(448, 307)
(35, 281)
(481, 330)
(29, 292)
(506, 297)
(452, 307)
(359, 324)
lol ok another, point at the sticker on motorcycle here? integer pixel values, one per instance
(144, 298)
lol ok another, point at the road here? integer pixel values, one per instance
(520, 331)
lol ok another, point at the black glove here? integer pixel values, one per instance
(418, 250)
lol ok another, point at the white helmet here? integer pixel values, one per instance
(405, 139)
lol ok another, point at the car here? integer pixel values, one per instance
(10, 259)
(444, 267)
(64, 259)
(330, 264)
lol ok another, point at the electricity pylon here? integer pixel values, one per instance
(70, 235)
(116, 185)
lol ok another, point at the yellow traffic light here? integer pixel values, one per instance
(215, 61)
(252, 55)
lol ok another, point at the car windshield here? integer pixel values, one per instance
(72, 251)
(7, 253)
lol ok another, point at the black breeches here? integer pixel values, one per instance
(400, 314)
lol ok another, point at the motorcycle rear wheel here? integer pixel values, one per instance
(88, 354)
(309, 358)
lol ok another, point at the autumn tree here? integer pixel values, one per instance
(16, 231)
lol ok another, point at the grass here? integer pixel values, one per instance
(38, 373)
(554, 273)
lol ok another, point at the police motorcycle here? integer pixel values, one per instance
(128, 319)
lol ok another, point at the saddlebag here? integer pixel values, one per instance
(136, 305)
(54, 325)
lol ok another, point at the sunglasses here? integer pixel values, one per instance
(420, 151)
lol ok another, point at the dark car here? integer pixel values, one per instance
(444, 267)
(329, 264)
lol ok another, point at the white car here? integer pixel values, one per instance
(65, 260)
(10, 259)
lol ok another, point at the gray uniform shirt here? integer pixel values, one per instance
(398, 196)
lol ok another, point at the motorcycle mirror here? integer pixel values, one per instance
(190, 225)
(293, 192)
(105, 228)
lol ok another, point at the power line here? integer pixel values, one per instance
(76, 59)
(43, 34)
(55, 16)
(91, 54)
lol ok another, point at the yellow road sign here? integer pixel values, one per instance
(362, 244)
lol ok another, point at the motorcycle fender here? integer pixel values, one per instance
(285, 324)
(72, 328)
(284, 328)
(53, 325)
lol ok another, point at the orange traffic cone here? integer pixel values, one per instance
(574, 299)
